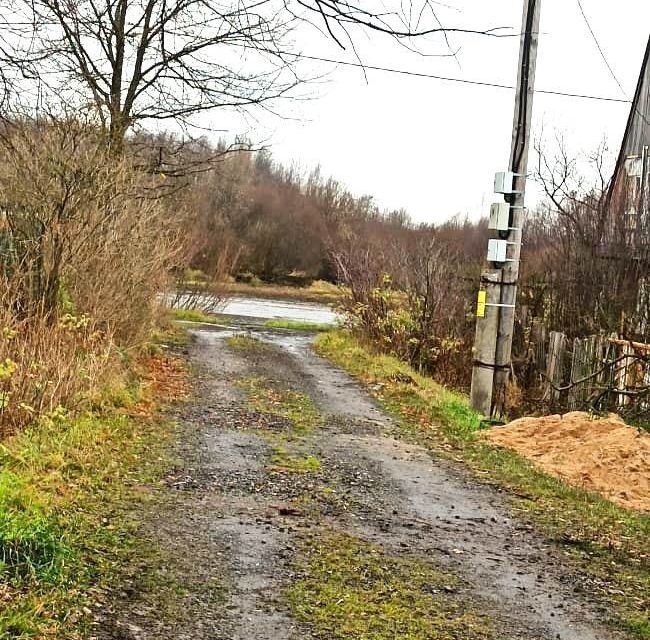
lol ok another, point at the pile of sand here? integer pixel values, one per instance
(598, 454)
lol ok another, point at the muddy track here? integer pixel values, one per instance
(229, 518)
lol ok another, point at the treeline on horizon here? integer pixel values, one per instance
(276, 221)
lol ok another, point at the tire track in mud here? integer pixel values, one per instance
(521, 575)
(240, 522)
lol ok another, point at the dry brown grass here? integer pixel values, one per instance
(319, 291)
(45, 365)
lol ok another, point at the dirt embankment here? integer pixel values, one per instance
(598, 454)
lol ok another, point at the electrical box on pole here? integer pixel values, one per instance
(492, 353)
(504, 182)
(499, 216)
(497, 251)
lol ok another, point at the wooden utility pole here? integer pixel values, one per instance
(496, 309)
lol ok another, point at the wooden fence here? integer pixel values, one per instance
(599, 372)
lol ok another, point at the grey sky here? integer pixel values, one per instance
(432, 146)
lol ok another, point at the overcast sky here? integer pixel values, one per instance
(432, 147)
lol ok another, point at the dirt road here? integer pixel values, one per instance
(238, 509)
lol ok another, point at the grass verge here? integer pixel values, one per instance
(68, 488)
(353, 590)
(608, 543)
(297, 325)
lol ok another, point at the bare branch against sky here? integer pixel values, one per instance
(401, 20)
(131, 61)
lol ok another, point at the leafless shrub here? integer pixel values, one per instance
(407, 298)
(83, 257)
(44, 366)
(206, 291)
(587, 256)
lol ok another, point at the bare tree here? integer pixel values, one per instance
(135, 60)
(397, 19)
(130, 61)
(6, 83)
(570, 191)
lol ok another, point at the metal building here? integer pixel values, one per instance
(630, 187)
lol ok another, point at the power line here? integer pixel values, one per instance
(431, 76)
(416, 74)
(600, 49)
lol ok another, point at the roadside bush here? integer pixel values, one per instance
(406, 298)
(44, 365)
(85, 249)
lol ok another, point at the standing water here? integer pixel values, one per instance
(281, 309)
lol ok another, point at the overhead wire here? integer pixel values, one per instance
(417, 74)
(606, 61)
(431, 76)
(600, 49)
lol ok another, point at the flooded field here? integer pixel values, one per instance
(267, 309)
(283, 309)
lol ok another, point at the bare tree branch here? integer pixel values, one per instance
(128, 61)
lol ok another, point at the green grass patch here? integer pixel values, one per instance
(172, 336)
(353, 590)
(403, 390)
(639, 625)
(168, 596)
(242, 342)
(67, 485)
(32, 547)
(291, 447)
(288, 462)
(297, 325)
(291, 405)
(606, 542)
(195, 315)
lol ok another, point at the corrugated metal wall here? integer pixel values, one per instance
(637, 132)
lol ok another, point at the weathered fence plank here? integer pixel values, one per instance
(555, 365)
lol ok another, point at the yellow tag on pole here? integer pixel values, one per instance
(480, 305)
